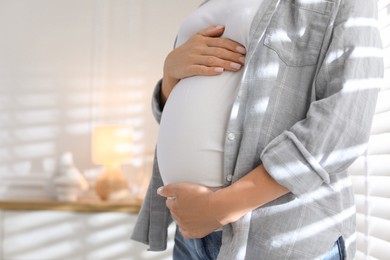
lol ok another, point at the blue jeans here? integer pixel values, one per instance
(207, 248)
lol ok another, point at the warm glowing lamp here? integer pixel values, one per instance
(111, 146)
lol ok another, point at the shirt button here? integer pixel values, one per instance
(229, 177)
(231, 136)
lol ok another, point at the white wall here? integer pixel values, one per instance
(67, 65)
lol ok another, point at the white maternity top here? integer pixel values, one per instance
(192, 130)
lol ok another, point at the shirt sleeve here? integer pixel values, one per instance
(337, 125)
(157, 107)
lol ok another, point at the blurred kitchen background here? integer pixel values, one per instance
(67, 66)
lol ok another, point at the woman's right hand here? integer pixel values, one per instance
(204, 54)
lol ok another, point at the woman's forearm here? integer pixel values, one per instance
(198, 210)
(250, 192)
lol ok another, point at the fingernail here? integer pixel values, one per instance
(242, 60)
(219, 27)
(218, 70)
(159, 190)
(241, 49)
(235, 65)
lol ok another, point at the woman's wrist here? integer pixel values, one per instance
(168, 83)
(224, 210)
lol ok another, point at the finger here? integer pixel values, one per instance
(169, 202)
(224, 54)
(176, 219)
(186, 234)
(202, 70)
(213, 31)
(166, 191)
(182, 231)
(211, 61)
(226, 44)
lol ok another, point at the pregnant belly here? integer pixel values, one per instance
(190, 144)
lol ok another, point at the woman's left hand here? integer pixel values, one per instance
(191, 208)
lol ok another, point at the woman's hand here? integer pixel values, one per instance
(204, 54)
(198, 211)
(190, 208)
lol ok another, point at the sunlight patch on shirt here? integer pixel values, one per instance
(261, 106)
(282, 36)
(270, 70)
(333, 56)
(363, 84)
(301, 31)
(366, 52)
(234, 113)
(334, 158)
(361, 22)
(310, 1)
(320, 193)
(342, 155)
(313, 229)
(356, 53)
(324, 191)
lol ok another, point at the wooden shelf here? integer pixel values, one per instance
(79, 206)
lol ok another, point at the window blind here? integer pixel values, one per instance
(371, 172)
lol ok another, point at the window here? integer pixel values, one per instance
(371, 172)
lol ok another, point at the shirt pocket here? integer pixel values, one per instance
(296, 31)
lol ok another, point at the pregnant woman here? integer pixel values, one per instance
(262, 107)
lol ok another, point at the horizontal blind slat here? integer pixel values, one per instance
(361, 241)
(378, 186)
(358, 167)
(360, 222)
(360, 255)
(379, 143)
(383, 3)
(381, 123)
(387, 79)
(360, 203)
(387, 60)
(379, 207)
(385, 34)
(383, 104)
(359, 184)
(382, 15)
(378, 248)
(379, 228)
(379, 165)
